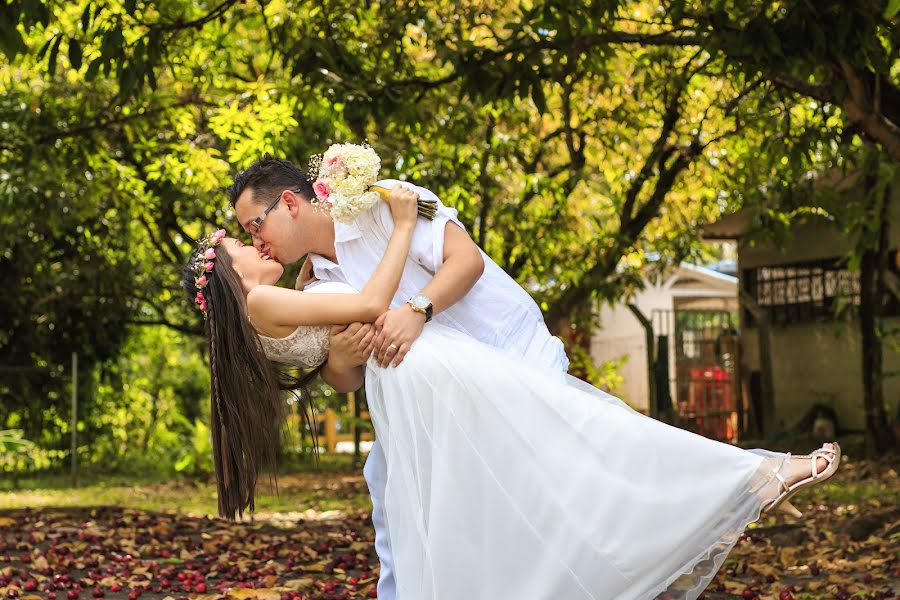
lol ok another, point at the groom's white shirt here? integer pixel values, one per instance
(496, 311)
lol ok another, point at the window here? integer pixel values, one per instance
(801, 292)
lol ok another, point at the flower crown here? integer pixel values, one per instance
(203, 264)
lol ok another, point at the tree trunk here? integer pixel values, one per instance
(765, 421)
(652, 397)
(872, 290)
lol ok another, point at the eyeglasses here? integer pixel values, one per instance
(254, 225)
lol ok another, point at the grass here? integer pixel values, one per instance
(335, 485)
(856, 492)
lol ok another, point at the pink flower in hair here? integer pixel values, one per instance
(208, 266)
(201, 281)
(201, 301)
(217, 236)
(321, 190)
(209, 254)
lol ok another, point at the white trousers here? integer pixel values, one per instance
(375, 472)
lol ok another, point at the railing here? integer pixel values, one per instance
(329, 421)
(328, 426)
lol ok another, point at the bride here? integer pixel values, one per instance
(503, 481)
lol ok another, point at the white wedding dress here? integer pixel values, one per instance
(504, 482)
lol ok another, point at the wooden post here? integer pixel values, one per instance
(330, 430)
(74, 451)
(767, 418)
(737, 387)
(651, 353)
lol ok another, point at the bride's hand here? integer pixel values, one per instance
(402, 201)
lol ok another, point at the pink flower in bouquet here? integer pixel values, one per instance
(321, 189)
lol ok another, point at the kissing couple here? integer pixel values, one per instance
(495, 475)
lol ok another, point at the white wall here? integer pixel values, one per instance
(620, 333)
(811, 365)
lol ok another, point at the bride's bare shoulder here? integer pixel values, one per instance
(269, 308)
(263, 302)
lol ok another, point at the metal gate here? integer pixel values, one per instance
(700, 363)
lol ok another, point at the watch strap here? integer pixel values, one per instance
(428, 311)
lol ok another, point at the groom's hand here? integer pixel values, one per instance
(350, 346)
(397, 330)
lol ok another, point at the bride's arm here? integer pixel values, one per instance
(276, 306)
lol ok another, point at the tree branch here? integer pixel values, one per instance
(485, 182)
(175, 326)
(101, 125)
(858, 106)
(670, 118)
(528, 46)
(215, 13)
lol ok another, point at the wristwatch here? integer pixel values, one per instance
(421, 304)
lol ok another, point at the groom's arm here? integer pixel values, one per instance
(462, 265)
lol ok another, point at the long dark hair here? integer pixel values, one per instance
(247, 403)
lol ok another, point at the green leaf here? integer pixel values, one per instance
(111, 46)
(151, 79)
(892, 9)
(93, 69)
(676, 11)
(54, 53)
(153, 45)
(184, 463)
(75, 53)
(11, 41)
(36, 12)
(86, 18)
(43, 51)
(537, 95)
(128, 80)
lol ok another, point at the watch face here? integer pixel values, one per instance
(420, 301)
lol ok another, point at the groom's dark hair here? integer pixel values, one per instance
(267, 177)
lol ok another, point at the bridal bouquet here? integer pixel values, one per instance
(345, 179)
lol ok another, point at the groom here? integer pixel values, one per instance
(447, 278)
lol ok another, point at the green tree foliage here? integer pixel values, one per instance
(577, 139)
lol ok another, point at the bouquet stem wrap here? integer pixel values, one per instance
(427, 208)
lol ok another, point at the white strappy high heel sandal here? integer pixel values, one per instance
(832, 456)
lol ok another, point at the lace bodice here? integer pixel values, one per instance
(307, 346)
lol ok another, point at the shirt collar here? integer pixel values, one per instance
(324, 268)
(344, 232)
(322, 264)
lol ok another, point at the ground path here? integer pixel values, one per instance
(147, 545)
